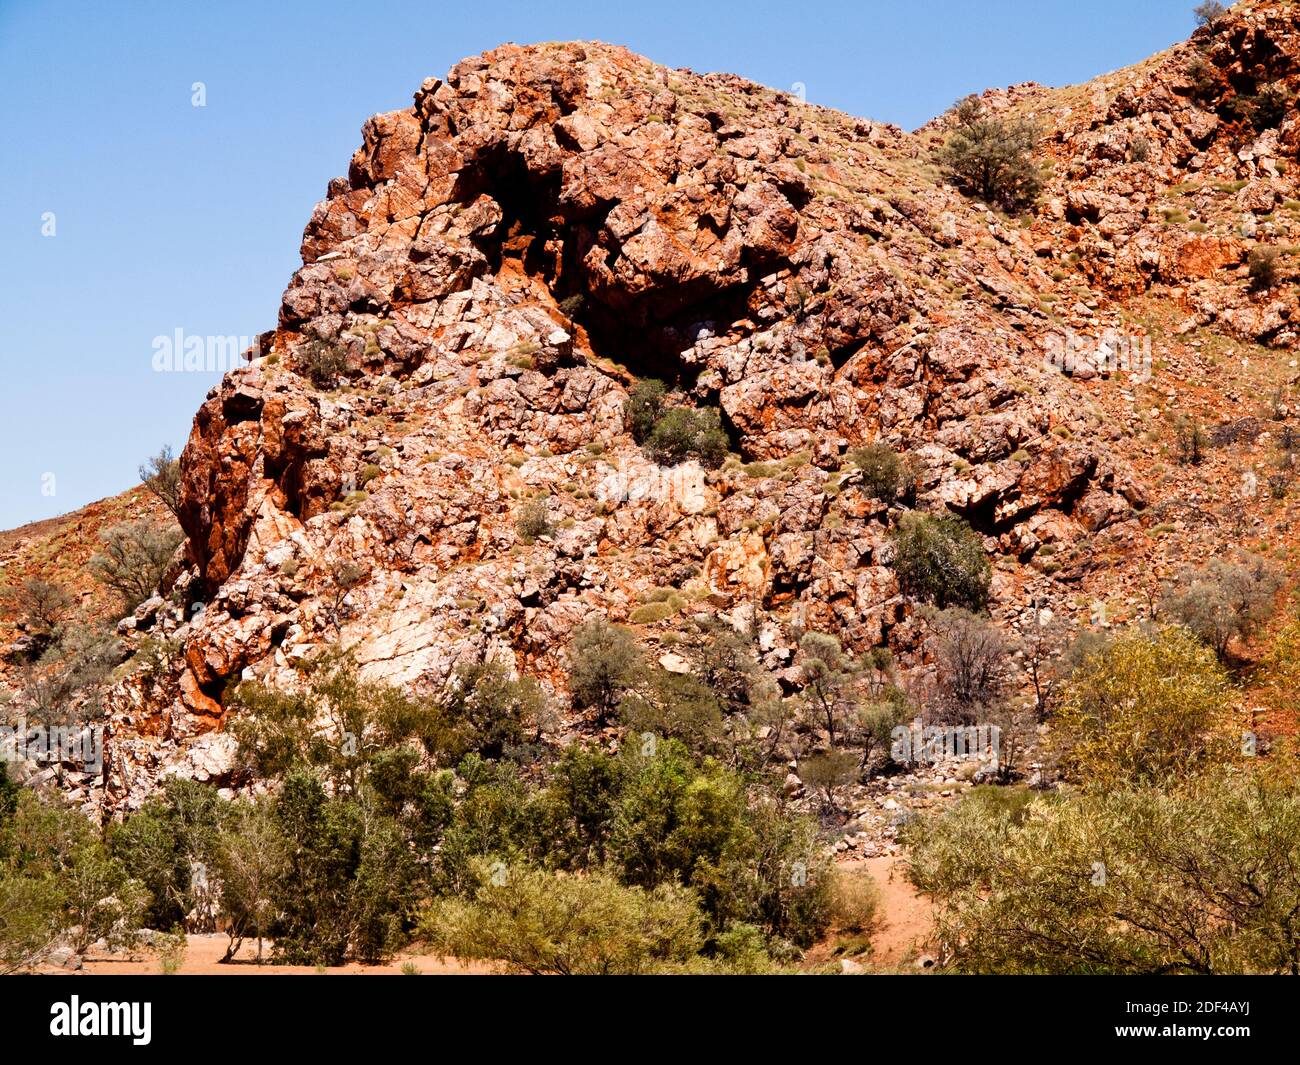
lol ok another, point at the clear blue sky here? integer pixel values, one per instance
(169, 216)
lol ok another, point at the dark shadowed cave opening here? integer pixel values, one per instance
(644, 331)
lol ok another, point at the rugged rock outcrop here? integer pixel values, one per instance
(549, 223)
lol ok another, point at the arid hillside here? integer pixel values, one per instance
(430, 459)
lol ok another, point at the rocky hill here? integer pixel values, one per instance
(427, 459)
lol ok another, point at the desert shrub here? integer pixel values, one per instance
(9, 792)
(971, 659)
(855, 902)
(678, 821)
(780, 878)
(583, 795)
(1150, 709)
(1223, 600)
(1279, 674)
(1208, 12)
(1052, 655)
(69, 678)
(166, 845)
(675, 821)
(885, 473)
(676, 705)
(1261, 111)
(992, 157)
(644, 405)
(45, 843)
(348, 879)
(536, 922)
(1204, 76)
(340, 725)
(133, 558)
(604, 663)
(171, 947)
(39, 605)
(828, 676)
(1201, 880)
(683, 432)
(161, 474)
(941, 559)
(334, 724)
(875, 724)
(345, 576)
(248, 860)
(1191, 440)
(1261, 265)
(825, 772)
(572, 305)
(487, 710)
(1139, 149)
(724, 660)
(533, 521)
(323, 362)
(31, 909)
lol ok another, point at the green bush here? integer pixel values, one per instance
(61, 878)
(683, 432)
(161, 474)
(323, 362)
(828, 771)
(644, 405)
(940, 559)
(348, 880)
(855, 902)
(249, 858)
(133, 558)
(533, 521)
(1208, 12)
(162, 843)
(31, 915)
(71, 676)
(1223, 600)
(541, 923)
(40, 607)
(365, 829)
(1202, 880)
(1261, 264)
(1149, 709)
(828, 676)
(673, 434)
(885, 473)
(677, 821)
(278, 730)
(488, 711)
(677, 705)
(605, 662)
(991, 157)
(483, 709)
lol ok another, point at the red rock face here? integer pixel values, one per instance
(685, 215)
(549, 223)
